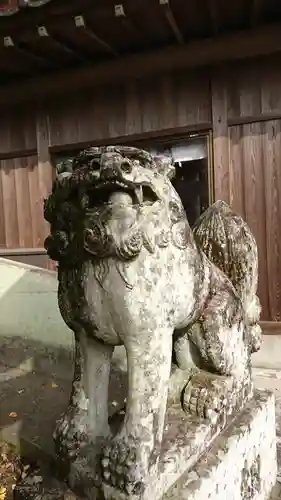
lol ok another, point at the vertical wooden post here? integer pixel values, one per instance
(220, 136)
(44, 158)
(45, 168)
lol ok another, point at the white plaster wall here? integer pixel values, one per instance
(28, 304)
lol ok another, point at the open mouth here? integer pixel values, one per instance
(102, 193)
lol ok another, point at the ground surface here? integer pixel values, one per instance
(35, 383)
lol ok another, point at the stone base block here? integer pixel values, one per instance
(199, 461)
(241, 464)
(233, 460)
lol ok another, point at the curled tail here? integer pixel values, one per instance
(228, 242)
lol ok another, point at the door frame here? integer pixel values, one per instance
(147, 141)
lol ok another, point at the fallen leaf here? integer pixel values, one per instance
(13, 414)
(2, 492)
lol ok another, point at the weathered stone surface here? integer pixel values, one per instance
(228, 242)
(131, 272)
(241, 463)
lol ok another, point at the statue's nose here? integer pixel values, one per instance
(110, 166)
(113, 167)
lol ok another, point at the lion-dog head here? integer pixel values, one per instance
(112, 202)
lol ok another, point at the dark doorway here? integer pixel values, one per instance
(192, 180)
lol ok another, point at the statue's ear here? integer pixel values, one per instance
(165, 166)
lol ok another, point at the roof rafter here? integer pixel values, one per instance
(165, 5)
(62, 44)
(255, 11)
(236, 46)
(83, 27)
(10, 44)
(10, 71)
(126, 22)
(214, 16)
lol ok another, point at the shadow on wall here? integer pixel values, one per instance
(36, 359)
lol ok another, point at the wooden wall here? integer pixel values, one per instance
(240, 103)
(17, 132)
(22, 226)
(28, 137)
(248, 149)
(26, 176)
(169, 102)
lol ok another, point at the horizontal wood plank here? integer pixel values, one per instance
(271, 327)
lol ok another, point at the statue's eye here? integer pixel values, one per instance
(126, 167)
(95, 165)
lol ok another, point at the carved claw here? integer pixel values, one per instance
(199, 403)
(120, 465)
(207, 396)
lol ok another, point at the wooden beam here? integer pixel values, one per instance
(9, 69)
(255, 11)
(213, 12)
(27, 53)
(126, 22)
(43, 32)
(45, 168)
(271, 327)
(20, 153)
(220, 136)
(240, 45)
(165, 4)
(81, 24)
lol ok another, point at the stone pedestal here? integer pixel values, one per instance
(241, 464)
(199, 461)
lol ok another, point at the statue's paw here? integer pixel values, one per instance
(69, 437)
(206, 396)
(200, 403)
(121, 466)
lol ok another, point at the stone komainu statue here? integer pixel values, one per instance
(131, 271)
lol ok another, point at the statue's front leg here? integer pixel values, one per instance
(86, 419)
(133, 454)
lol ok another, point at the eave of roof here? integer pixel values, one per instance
(13, 7)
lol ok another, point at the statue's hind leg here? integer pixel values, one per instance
(219, 347)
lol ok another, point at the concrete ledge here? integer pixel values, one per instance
(269, 356)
